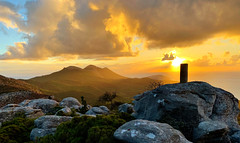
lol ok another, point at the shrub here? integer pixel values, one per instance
(16, 131)
(88, 129)
(108, 97)
(84, 109)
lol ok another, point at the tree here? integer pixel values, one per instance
(154, 85)
(84, 109)
(108, 97)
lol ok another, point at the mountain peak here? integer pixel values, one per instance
(91, 67)
(72, 68)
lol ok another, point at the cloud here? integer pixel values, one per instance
(226, 53)
(204, 61)
(168, 57)
(101, 29)
(8, 15)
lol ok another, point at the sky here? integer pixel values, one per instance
(134, 38)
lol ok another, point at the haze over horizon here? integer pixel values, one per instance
(133, 38)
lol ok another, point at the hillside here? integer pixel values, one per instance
(12, 85)
(90, 82)
(15, 91)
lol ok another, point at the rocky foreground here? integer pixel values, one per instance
(173, 113)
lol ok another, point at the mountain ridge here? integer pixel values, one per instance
(90, 82)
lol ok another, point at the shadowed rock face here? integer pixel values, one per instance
(186, 105)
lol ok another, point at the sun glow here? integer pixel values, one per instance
(177, 61)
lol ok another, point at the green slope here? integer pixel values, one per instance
(90, 82)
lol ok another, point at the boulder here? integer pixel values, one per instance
(66, 111)
(24, 103)
(143, 131)
(69, 102)
(185, 105)
(47, 125)
(50, 121)
(127, 108)
(211, 131)
(10, 113)
(98, 111)
(235, 138)
(38, 133)
(10, 106)
(45, 104)
(104, 108)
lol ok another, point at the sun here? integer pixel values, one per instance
(177, 61)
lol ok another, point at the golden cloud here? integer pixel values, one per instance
(101, 29)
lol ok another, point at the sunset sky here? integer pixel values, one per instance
(134, 38)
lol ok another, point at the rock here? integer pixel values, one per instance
(45, 104)
(235, 138)
(24, 103)
(98, 111)
(104, 108)
(185, 105)
(211, 131)
(89, 107)
(143, 131)
(64, 112)
(37, 133)
(76, 107)
(10, 106)
(10, 113)
(80, 107)
(47, 125)
(69, 102)
(18, 96)
(50, 121)
(127, 108)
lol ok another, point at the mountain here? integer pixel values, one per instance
(90, 82)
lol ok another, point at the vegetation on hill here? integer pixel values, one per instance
(88, 129)
(12, 85)
(90, 82)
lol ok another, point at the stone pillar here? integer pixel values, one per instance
(184, 73)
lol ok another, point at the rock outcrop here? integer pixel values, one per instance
(19, 96)
(66, 111)
(235, 138)
(69, 102)
(143, 131)
(212, 131)
(8, 112)
(45, 104)
(185, 105)
(102, 110)
(47, 125)
(127, 108)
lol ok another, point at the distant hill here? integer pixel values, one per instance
(13, 91)
(12, 85)
(90, 82)
(163, 78)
